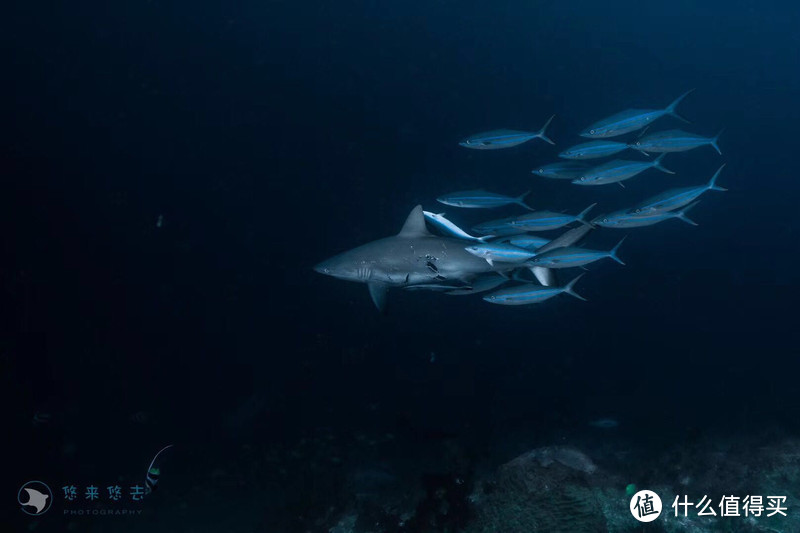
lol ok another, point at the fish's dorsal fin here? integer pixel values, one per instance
(415, 224)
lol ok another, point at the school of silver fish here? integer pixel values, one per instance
(509, 256)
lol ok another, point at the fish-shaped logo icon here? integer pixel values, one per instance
(39, 497)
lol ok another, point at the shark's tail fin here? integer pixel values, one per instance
(581, 216)
(521, 201)
(542, 132)
(681, 215)
(657, 164)
(569, 288)
(613, 252)
(671, 108)
(712, 184)
(715, 139)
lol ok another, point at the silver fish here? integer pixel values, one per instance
(480, 199)
(547, 220)
(574, 257)
(437, 287)
(496, 251)
(497, 139)
(618, 170)
(624, 219)
(439, 220)
(563, 170)
(675, 198)
(529, 242)
(631, 120)
(593, 150)
(545, 276)
(531, 294)
(674, 141)
(498, 227)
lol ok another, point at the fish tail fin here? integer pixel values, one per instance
(542, 132)
(581, 217)
(569, 288)
(671, 108)
(521, 201)
(712, 184)
(613, 252)
(657, 164)
(715, 139)
(682, 214)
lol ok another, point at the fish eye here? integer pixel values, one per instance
(637, 211)
(638, 143)
(591, 131)
(605, 220)
(583, 178)
(541, 170)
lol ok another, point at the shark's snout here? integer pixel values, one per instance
(322, 268)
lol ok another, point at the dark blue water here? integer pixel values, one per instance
(271, 135)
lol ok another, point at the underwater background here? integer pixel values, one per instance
(174, 170)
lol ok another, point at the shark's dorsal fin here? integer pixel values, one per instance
(415, 224)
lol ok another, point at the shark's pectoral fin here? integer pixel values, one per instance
(545, 276)
(377, 292)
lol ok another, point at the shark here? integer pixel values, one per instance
(412, 257)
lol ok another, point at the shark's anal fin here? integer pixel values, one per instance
(415, 224)
(377, 291)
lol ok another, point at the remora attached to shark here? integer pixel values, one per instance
(412, 257)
